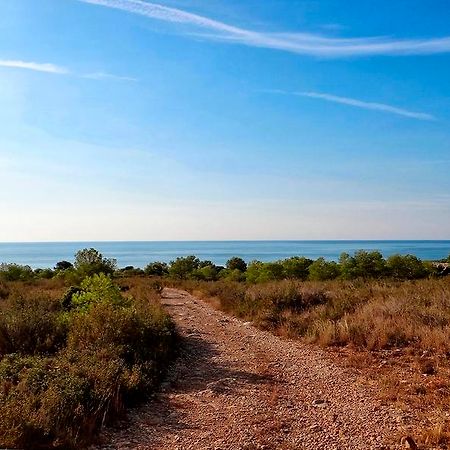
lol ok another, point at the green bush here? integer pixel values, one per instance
(321, 270)
(90, 261)
(15, 272)
(97, 289)
(182, 268)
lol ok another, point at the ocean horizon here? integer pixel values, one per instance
(140, 253)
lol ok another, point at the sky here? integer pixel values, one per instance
(224, 119)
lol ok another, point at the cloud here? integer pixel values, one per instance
(108, 76)
(59, 70)
(300, 43)
(358, 104)
(37, 67)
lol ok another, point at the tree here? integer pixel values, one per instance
(259, 272)
(15, 272)
(236, 263)
(321, 270)
(90, 261)
(296, 267)
(157, 268)
(363, 264)
(63, 265)
(407, 267)
(183, 267)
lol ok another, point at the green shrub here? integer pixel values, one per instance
(158, 269)
(90, 261)
(321, 270)
(15, 272)
(97, 289)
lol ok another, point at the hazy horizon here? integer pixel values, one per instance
(180, 120)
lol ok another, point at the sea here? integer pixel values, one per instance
(139, 254)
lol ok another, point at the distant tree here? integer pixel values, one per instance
(15, 272)
(44, 273)
(183, 267)
(236, 263)
(63, 265)
(321, 270)
(206, 273)
(363, 264)
(157, 268)
(407, 267)
(259, 272)
(90, 261)
(296, 267)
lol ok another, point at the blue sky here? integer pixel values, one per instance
(189, 119)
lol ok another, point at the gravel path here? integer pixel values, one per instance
(235, 387)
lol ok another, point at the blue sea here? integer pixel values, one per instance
(139, 254)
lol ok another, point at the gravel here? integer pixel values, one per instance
(236, 387)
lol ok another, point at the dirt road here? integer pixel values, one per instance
(235, 387)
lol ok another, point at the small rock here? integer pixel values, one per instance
(319, 403)
(408, 442)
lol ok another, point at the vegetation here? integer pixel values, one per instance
(374, 315)
(72, 359)
(82, 341)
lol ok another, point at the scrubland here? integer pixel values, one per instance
(72, 362)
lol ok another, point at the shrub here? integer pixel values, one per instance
(90, 261)
(296, 267)
(31, 327)
(15, 272)
(363, 264)
(158, 269)
(407, 267)
(111, 354)
(259, 272)
(236, 263)
(97, 289)
(321, 270)
(183, 267)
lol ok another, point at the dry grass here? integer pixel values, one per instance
(396, 334)
(64, 373)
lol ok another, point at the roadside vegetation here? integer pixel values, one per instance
(73, 357)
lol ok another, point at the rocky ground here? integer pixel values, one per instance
(236, 387)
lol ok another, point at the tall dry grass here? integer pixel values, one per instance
(368, 314)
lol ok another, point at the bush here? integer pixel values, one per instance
(15, 272)
(158, 269)
(236, 263)
(321, 270)
(182, 268)
(406, 267)
(31, 327)
(90, 261)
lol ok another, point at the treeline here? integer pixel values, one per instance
(362, 264)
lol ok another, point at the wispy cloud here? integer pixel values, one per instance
(37, 67)
(367, 105)
(59, 70)
(300, 43)
(108, 76)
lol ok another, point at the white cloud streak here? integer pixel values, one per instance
(300, 43)
(107, 76)
(366, 105)
(59, 70)
(37, 67)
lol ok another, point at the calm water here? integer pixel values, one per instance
(139, 254)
